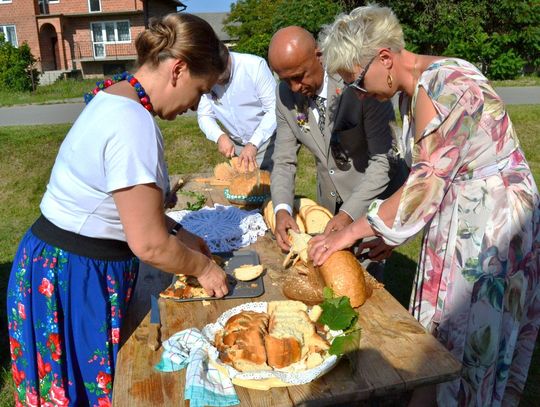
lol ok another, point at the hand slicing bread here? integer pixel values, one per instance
(283, 338)
(341, 272)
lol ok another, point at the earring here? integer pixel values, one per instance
(389, 81)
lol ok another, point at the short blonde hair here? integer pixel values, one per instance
(352, 39)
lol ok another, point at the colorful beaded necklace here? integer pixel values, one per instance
(125, 76)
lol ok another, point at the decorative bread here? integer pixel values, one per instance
(224, 172)
(270, 219)
(250, 183)
(345, 275)
(248, 272)
(238, 168)
(277, 339)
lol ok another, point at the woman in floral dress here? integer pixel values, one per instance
(477, 287)
(76, 267)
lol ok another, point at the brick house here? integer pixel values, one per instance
(95, 37)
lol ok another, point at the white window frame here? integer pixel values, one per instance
(53, 1)
(98, 11)
(104, 35)
(3, 29)
(5, 1)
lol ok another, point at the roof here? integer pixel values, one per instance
(216, 21)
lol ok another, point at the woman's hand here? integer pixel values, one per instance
(214, 280)
(194, 242)
(322, 246)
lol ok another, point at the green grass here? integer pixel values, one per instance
(58, 92)
(29, 153)
(529, 80)
(71, 88)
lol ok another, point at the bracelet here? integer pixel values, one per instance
(176, 228)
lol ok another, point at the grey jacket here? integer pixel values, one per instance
(362, 128)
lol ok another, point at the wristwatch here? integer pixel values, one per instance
(176, 228)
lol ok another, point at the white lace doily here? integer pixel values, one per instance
(224, 228)
(298, 377)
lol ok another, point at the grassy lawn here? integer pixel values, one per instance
(71, 88)
(29, 154)
(57, 92)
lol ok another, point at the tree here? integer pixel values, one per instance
(253, 22)
(16, 67)
(500, 36)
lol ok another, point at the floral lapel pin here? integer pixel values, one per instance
(301, 116)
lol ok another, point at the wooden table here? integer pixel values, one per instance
(396, 354)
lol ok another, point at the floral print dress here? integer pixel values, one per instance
(470, 189)
(64, 318)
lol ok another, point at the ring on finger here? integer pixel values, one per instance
(325, 247)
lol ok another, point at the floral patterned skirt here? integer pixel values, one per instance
(64, 316)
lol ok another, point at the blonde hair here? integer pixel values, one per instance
(181, 36)
(352, 39)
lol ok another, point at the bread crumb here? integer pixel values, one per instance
(205, 303)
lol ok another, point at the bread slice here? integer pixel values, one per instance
(301, 202)
(316, 218)
(248, 272)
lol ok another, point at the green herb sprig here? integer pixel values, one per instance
(338, 314)
(200, 200)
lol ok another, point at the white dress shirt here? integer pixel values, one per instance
(245, 106)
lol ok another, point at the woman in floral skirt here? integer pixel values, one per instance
(470, 190)
(76, 267)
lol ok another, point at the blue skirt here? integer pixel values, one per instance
(65, 312)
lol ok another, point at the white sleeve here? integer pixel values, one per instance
(266, 91)
(132, 154)
(207, 120)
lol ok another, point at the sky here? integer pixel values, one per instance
(203, 6)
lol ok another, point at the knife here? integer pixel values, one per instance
(154, 328)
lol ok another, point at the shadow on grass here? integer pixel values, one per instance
(399, 276)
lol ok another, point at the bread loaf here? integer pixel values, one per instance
(250, 183)
(277, 339)
(345, 275)
(304, 283)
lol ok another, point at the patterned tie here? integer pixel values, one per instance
(321, 109)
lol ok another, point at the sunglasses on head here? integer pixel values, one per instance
(358, 83)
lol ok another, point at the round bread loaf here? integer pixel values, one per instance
(345, 276)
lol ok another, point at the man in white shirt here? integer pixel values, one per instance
(244, 101)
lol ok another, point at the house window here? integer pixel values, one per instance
(5, 1)
(8, 31)
(109, 32)
(94, 6)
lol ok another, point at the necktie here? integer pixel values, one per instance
(321, 109)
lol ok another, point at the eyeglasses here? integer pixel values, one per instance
(358, 83)
(341, 158)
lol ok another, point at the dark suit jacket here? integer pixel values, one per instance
(362, 128)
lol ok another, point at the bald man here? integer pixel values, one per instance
(350, 138)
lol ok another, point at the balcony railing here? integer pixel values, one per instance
(98, 51)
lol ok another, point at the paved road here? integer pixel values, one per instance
(68, 112)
